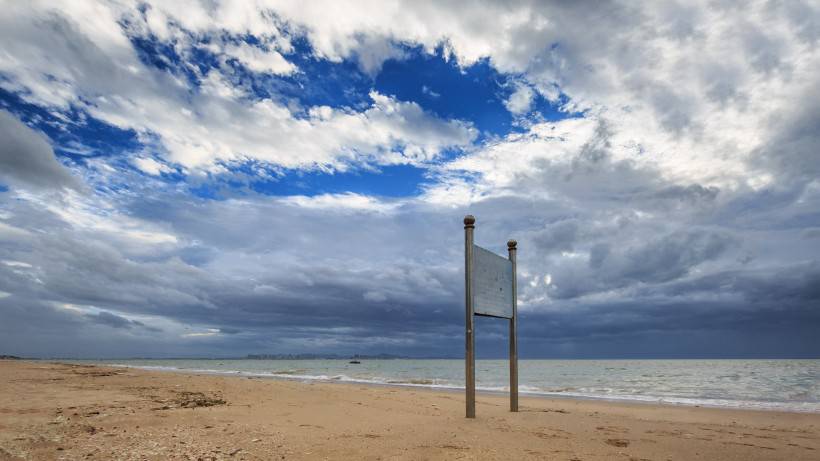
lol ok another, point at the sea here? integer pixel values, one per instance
(786, 385)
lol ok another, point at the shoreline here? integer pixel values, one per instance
(57, 410)
(730, 404)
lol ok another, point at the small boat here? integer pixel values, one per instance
(356, 362)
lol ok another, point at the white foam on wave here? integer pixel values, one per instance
(801, 407)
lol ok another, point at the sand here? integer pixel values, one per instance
(62, 411)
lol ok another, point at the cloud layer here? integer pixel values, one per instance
(665, 205)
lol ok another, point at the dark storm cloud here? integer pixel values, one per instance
(795, 150)
(659, 260)
(294, 287)
(320, 286)
(669, 257)
(796, 284)
(27, 159)
(116, 321)
(559, 236)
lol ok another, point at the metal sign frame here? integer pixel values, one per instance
(469, 294)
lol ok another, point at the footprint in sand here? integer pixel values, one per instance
(748, 445)
(613, 429)
(799, 446)
(453, 447)
(617, 442)
(549, 433)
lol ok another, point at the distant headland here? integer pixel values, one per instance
(323, 357)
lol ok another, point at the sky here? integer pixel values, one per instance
(215, 179)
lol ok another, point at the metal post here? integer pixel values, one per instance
(511, 248)
(469, 359)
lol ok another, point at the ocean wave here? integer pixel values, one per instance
(428, 382)
(606, 394)
(288, 372)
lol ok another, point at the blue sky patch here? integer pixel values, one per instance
(83, 137)
(475, 94)
(385, 181)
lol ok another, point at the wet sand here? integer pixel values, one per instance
(62, 411)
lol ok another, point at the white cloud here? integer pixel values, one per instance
(96, 215)
(228, 128)
(17, 264)
(200, 334)
(520, 100)
(13, 233)
(691, 88)
(501, 165)
(151, 166)
(343, 202)
(259, 60)
(372, 52)
(429, 92)
(375, 296)
(341, 29)
(199, 128)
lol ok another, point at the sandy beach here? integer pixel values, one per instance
(62, 411)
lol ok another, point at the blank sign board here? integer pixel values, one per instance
(492, 284)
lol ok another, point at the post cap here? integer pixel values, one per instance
(469, 220)
(511, 244)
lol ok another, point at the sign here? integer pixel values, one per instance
(492, 284)
(489, 290)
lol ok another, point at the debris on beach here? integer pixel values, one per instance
(186, 399)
